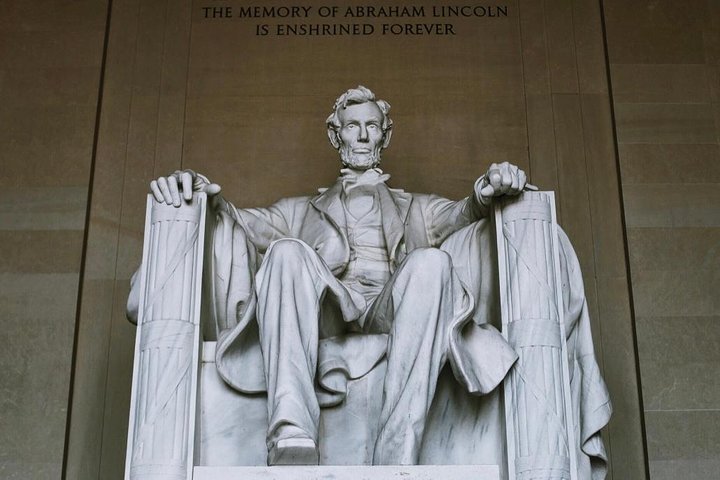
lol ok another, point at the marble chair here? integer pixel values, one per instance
(185, 417)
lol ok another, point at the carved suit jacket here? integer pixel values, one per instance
(242, 236)
(409, 221)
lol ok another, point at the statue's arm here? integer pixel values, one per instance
(262, 225)
(444, 217)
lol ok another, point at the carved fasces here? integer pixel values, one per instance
(162, 410)
(540, 435)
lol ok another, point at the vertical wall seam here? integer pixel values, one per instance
(187, 83)
(119, 229)
(522, 75)
(117, 251)
(83, 257)
(551, 95)
(628, 271)
(607, 438)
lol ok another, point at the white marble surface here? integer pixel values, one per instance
(164, 393)
(424, 472)
(356, 322)
(232, 426)
(462, 428)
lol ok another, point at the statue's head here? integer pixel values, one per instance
(359, 127)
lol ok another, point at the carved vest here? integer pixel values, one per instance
(369, 266)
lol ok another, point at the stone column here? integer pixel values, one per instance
(539, 428)
(163, 403)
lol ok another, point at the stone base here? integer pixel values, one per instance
(415, 472)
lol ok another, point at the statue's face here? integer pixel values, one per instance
(361, 135)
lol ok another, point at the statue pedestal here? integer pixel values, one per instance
(415, 472)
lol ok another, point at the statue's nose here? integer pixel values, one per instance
(363, 134)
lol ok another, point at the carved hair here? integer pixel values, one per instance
(356, 96)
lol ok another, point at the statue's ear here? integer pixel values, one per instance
(333, 137)
(386, 138)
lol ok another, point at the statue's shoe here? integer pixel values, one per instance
(294, 451)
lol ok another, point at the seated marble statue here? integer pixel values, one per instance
(315, 291)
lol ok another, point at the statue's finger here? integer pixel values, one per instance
(156, 191)
(174, 191)
(515, 186)
(494, 178)
(165, 190)
(506, 180)
(522, 180)
(531, 187)
(187, 185)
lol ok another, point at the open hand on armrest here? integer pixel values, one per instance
(180, 186)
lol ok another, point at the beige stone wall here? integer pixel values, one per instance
(184, 91)
(665, 75)
(50, 65)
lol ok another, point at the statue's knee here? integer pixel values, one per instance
(286, 250)
(430, 259)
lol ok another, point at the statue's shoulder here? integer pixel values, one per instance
(295, 200)
(422, 199)
(292, 206)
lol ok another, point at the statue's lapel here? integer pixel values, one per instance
(395, 205)
(324, 229)
(329, 203)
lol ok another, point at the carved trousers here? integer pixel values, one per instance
(415, 309)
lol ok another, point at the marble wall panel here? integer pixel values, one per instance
(589, 47)
(536, 74)
(684, 444)
(675, 293)
(49, 84)
(674, 248)
(48, 16)
(679, 357)
(117, 402)
(26, 208)
(35, 364)
(561, 45)
(40, 251)
(655, 31)
(663, 73)
(660, 123)
(541, 143)
(648, 83)
(44, 143)
(682, 163)
(672, 205)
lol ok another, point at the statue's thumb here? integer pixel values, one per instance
(212, 189)
(487, 191)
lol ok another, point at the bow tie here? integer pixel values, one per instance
(369, 178)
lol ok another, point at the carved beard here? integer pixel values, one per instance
(359, 162)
